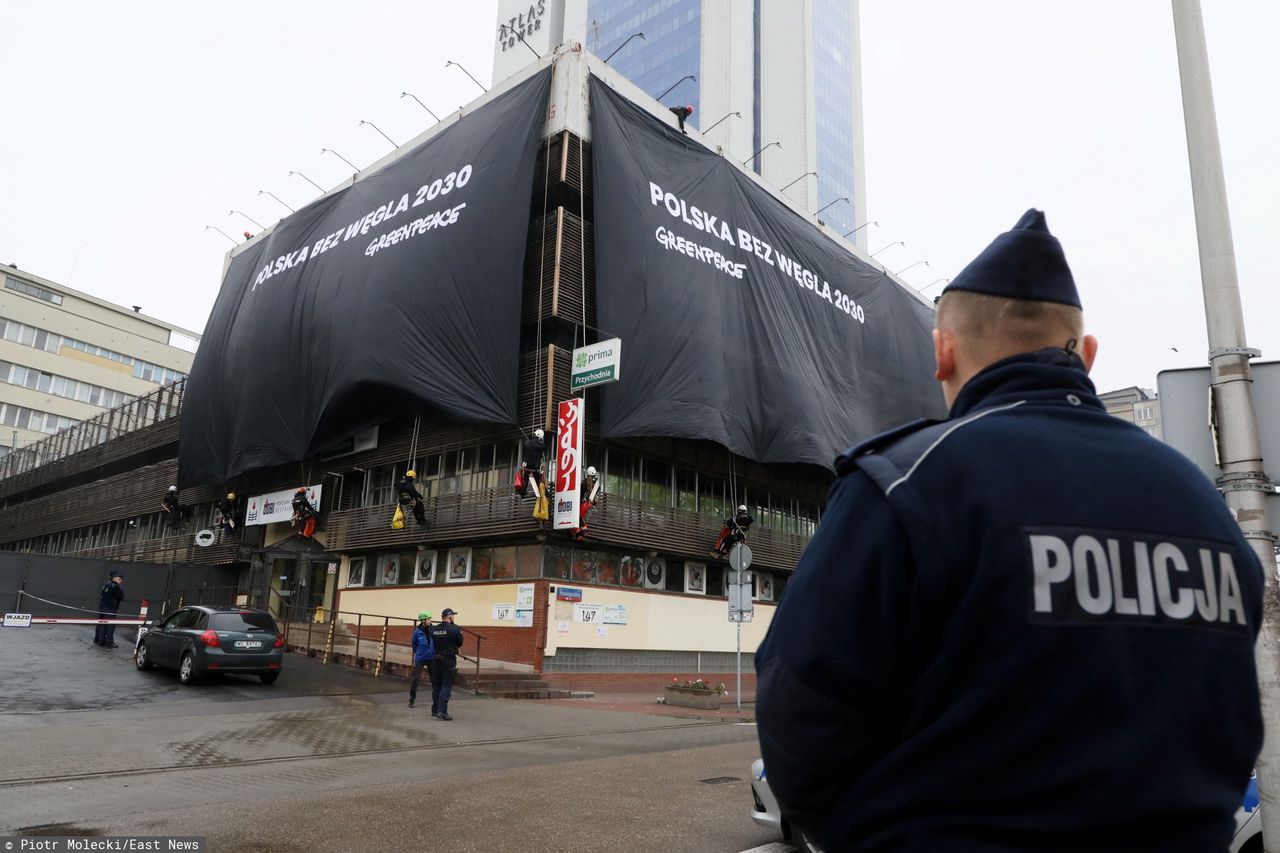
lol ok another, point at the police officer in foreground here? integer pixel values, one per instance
(1027, 627)
(447, 638)
(108, 607)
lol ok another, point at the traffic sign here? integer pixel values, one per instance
(17, 620)
(738, 590)
(740, 557)
(205, 538)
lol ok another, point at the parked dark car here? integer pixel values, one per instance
(201, 640)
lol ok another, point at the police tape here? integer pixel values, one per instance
(23, 594)
(24, 620)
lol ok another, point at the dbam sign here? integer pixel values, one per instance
(569, 442)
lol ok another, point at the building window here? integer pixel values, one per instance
(32, 290)
(1144, 413)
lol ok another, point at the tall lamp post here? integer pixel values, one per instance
(1243, 482)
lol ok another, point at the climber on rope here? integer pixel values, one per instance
(228, 512)
(590, 491)
(304, 514)
(531, 453)
(172, 511)
(733, 532)
(407, 495)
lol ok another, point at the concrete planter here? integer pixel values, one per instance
(684, 697)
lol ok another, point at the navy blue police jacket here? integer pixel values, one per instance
(110, 597)
(1027, 627)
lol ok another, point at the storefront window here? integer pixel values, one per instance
(504, 563)
(557, 563)
(529, 561)
(482, 564)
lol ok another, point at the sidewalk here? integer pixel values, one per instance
(646, 703)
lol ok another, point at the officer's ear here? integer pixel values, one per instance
(944, 355)
(1088, 351)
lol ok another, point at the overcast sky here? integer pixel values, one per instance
(131, 126)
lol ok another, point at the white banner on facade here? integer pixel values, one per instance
(569, 444)
(277, 507)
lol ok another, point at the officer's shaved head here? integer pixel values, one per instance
(993, 327)
(978, 329)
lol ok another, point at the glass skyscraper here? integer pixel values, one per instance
(670, 50)
(790, 67)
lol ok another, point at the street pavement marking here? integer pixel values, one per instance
(775, 847)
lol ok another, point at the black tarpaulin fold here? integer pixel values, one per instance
(400, 291)
(740, 322)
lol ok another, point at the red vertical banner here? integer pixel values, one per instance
(570, 432)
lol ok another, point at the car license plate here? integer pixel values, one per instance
(248, 644)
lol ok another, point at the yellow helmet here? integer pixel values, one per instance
(411, 473)
(231, 496)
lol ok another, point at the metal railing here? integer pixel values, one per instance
(159, 405)
(352, 628)
(623, 522)
(174, 548)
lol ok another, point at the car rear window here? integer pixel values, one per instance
(242, 621)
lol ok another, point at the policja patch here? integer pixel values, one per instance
(1083, 576)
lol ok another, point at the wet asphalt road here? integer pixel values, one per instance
(329, 758)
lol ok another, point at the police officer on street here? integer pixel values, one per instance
(1029, 626)
(447, 638)
(108, 606)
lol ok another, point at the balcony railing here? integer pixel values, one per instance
(168, 549)
(18, 469)
(492, 513)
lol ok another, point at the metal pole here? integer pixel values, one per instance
(739, 663)
(1243, 481)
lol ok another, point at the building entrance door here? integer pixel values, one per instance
(283, 572)
(312, 579)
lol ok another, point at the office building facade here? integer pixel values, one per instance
(66, 357)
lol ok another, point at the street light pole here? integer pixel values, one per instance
(722, 118)
(624, 44)
(394, 144)
(1243, 482)
(798, 180)
(677, 83)
(277, 198)
(466, 72)
(419, 100)
(761, 151)
(340, 157)
(825, 206)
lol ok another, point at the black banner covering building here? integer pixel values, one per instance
(399, 291)
(740, 322)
